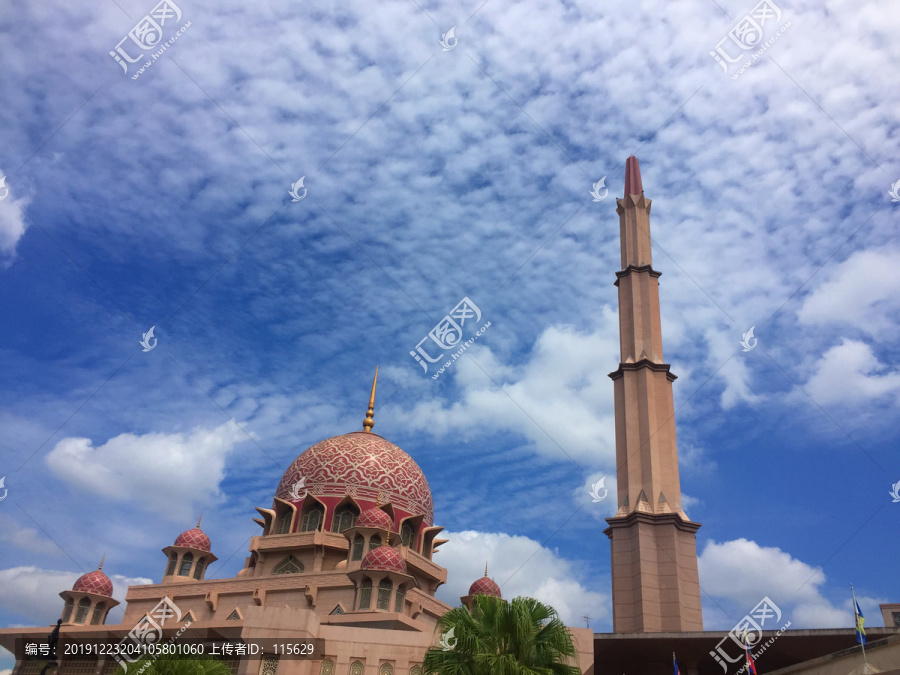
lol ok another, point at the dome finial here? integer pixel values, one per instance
(370, 415)
(101, 562)
(485, 568)
(198, 521)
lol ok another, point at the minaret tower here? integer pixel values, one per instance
(656, 586)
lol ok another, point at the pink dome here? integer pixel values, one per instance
(195, 539)
(384, 558)
(363, 465)
(94, 582)
(485, 586)
(375, 518)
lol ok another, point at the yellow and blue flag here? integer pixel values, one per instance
(860, 620)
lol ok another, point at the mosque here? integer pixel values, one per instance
(346, 553)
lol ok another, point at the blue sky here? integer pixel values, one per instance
(435, 175)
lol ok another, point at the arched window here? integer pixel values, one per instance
(198, 570)
(327, 667)
(374, 541)
(312, 518)
(365, 593)
(173, 561)
(386, 669)
(344, 518)
(407, 535)
(186, 561)
(284, 522)
(384, 594)
(358, 544)
(401, 596)
(415, 670)
(84, 606)
(289, 565)
(356, 668)
(99, 611)
(67, 610)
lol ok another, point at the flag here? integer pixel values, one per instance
(751, 664)
(860, 620)
(675, 663)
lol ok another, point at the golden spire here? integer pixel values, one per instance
(101, 562)
(370, 415)
(198, 521)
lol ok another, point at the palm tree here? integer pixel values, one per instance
(520, 637)
(176, 664)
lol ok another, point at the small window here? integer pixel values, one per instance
(269, 665)
(67, 610)
(415, 670)
(284, 522)
(386, 669)
(84, 607)
(356, 668)
(188, 617)
(401, 596)
(365, 593)
(186, 561)
(344, 518)
(312, 518)
(289, 565)
(374, 541)
(384, 594)
(337, 611)
(327, 667)
(198, 570)
(358, 544)
(173, 561)
(407, 535)
(99, 611)
(234, 616)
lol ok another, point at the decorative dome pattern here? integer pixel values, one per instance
(375, 518)
(94, 582)
(384, 558)
(365, 466)
(485, 586)
(195, 538)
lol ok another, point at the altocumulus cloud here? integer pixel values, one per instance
(161, 473)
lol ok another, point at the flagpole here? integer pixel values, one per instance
(862, 641)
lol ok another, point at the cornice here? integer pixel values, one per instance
(651, 519)
(636, 268)
(643, 363)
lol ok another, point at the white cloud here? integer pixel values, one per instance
(34, 592)
(741, 573)
(851, 373)
(162, 473)
(522, 567)
(25, 537)
(12, 221)
(863, 291)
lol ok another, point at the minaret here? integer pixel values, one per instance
(654, 550)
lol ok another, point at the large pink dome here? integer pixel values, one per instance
(195, 538)
(485, 586)
(94, 582)
(364, 466)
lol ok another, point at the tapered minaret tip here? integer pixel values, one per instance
(633, 177)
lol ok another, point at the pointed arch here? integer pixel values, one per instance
(374, 541)
(409, 531)
(173, 563)
(187, 561)
(289, 565)
(356, 668)
(99, 614)
(365, 593)
(415, 670)
(327, 667)
(67, 609)
(198, 568)
(84, 606)
(384, 594)
(346, 510)
(358, 544)
(285, 516)
(386, 669)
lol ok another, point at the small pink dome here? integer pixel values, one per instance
(485, 586)
(94, 582)
(384, 558)
(375, 518)
(195, 539)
